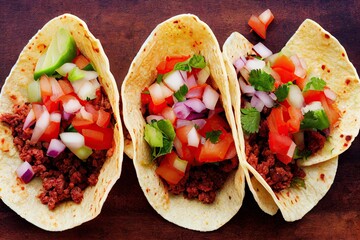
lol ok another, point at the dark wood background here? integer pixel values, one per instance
(122, 27)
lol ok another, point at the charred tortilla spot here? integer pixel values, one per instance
(176, 22)
(348, 138)
(345, 144)
(343, 54)
(327, 36)
(322, 177)
(347, 81)
(41, 47)
(328, 70)
(288, 194)
(229, 197)
(13, 97)
(147, 190)
(342, 135)
(81, 25)
(22, 188)
(96, 49)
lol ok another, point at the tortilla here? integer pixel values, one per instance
(180, 35)
(318, 48)
(22, 198)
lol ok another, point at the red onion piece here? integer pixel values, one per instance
(181, 110)
(246, 89)
(265, 98)
(295, 96)
(210, 97)
(194, 115)
(273, 96)
(40, 126)
(29, 120)
(262, 50)
(25, 172)
(153, 117)
(199, 122)
(195, 104)
(239, 64)
(55, 148)
(56, 89)
(195, 93)
(178, 147)
(330, 94)
(86, 115)
(183, 122)
(257, 103)
(66, 116)
(190, 82)
(299, 70)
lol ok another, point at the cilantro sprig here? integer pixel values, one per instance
(196, 61)
(213, 136)
(180, 94)
(261, 80)
(250, 120)
(315, 83)
(282, 91)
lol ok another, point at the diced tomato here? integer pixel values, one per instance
(280, 145)
(266, 17)
(332, 112)
(285, 75)
(169, 64)
(296, 117)
(188, 153)
(167, 171)
(215, 152)
(66, 86)
(301, 82)
(284, 62)
(79, 123)
(81, 61)
(284, 158)
(182, 133)
(214, 123)
(168, 113)
(91, 109)
(156, 109)
(313, 95)
(231, 152)
(97, 138)
(45, 86)
(169, 100)
(276, 121)
(52, 131)
(259, 27)
(145, 97)
(50, 105)
(103, 119)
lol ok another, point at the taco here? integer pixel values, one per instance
(60, 129)
(296, 111)
(169, 123)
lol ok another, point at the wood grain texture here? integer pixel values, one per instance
(122, 27)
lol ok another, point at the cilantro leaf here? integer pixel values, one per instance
(213, 136)
(159, 78)
(297, 182)
(250, 120)
(70, 129)
(315, 120)
(196, 61)
(283, 91)
(301, 154)
(180, 94)
(261, 80)
(316, 83)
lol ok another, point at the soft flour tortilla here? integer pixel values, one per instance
(181, 35)
(318, 48)
(22, 198)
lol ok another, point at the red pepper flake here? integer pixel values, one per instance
(345, 144)
(323, 67)
(347, 81)
(80, 24)
(322, 177)
(176, 22)
(327, 36)
(2, 140)
(288, 194)
(328, 70)
(96, 49)
(348, 138)
(13, 97)
(343, 54)
(342, 135)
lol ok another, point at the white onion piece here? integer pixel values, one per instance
(95, 83)
(195, 104)
(313, 106)
(246, 89)
(295, 96)
(254, 63)
(193, 138)
(165, 90)
(25, 172)
(89, 75)
(202, 140)
(190, 82)
(291, 150)
(178, 147)
(183, 122)
(78, 84)
(245, 73)
(210, 97)
(299, 140)
(72, 140)
(183, 75)
(65, 68)
(271, 59)
(330, 94)
(55, 148)
(299, 70)
(30, 119)
(180, 164)
(174, 80)
(156, 93)
(239, 64)
(40, 126)
(257, 103)
(56, 89)
(303, 63)
(55, 117)
(273, 96)
(181, 110)
(153, 117)
(86, 115)
(203, 75)
(262, 50)
(199, 122)
(72, 106)
(87, 91)
(265, 98)
(265, 16)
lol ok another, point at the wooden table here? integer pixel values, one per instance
(122, 27)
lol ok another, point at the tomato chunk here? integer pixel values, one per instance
(50, 105)
(169, 64)
(215, 152)
(284, 62)
(103, 118)
(259, 27)
(280, 144)
(51, 132)
(97, 138)
(81, 61)
(167, 171)
(296, 117)
(276, 121)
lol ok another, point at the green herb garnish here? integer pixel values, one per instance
(261, 80)
(315, 84)
(250, 120)
(159, 78)
(180, 94)
(282, 91)
(315, 120)
(196, 61)
(298, 183)
(213, 136)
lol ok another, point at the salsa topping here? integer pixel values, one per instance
(186, 129)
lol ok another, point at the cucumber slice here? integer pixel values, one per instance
(62, 49)
(34, 92)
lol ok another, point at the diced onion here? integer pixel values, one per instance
(181, 110)
(299, 70)
(193, 138)
(291, 150)
(174, 80)
(183, 122)
(313, 106)
(25, 172)
(246, 89)
(72, 140)
(66, 116)
(239, 64)
(330, 94)
(95, 83)
(86, 115)
(165, 90)
(29, 120)
(210, 97)
(89, 75)
(78, 84)
(178, 147)
(55, 148)
(180, 164)
(87, 91)
(255, 63)
(156, 93)
(153, 117)
(65, 68)
(40, 126)
(56, 89)
(295, 96)
(55, 117)
(202, 140)
(190, 82)
(273, 96)
(72, 106)
(265, 98)
(199, 122)
(195, 104)
(203, 75)
(195, 93)
(262, 50)
(257, 103)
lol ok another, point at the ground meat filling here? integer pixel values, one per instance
(202, 182)
(64, 177)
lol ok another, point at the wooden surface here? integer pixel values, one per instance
(122, 27)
